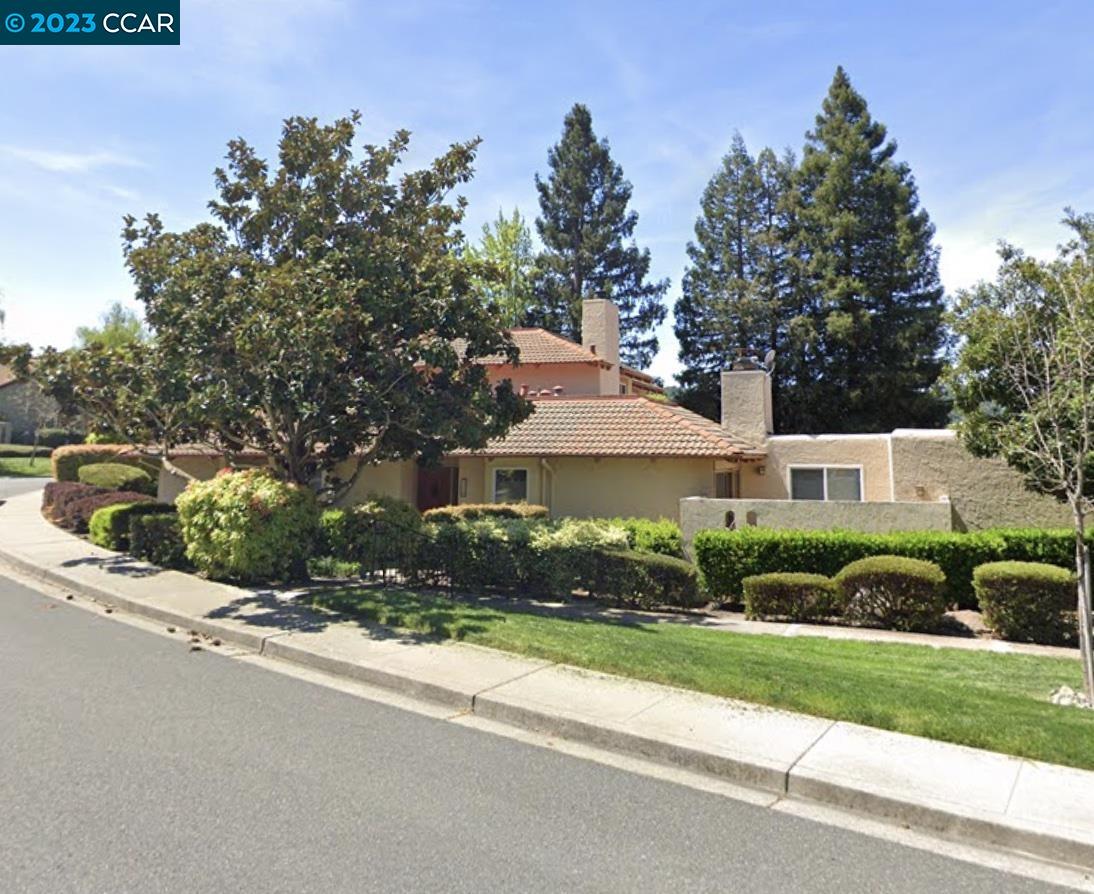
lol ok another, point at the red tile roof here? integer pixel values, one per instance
(540, 346)
(615, 426)
(7, 375)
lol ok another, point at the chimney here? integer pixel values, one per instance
(746, 403)
(600, 336)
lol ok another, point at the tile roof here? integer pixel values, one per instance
(7, 375)
(541, 346)
(615, 426)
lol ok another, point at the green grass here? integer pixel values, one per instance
(25, 467)
(982, 699)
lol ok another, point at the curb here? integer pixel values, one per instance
(796, 781)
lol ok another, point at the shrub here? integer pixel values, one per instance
(645, 535)
(645, 579)
(109, 526)
(157, 538)
(479, 511)
(725, 558)
(117, 476)
(892, 591)
(57, 495)
(248, 526)
(379, 534)
(1027, 601)
(77, 514)
(58, 437)
(797, 596)
(68, 459)
(564, 557)
(16, 451)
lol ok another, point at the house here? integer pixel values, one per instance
(604, 441)
(23, 409)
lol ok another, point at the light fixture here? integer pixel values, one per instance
(761, 470)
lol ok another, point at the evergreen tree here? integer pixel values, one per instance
(740, 293)
(590, 252)
(507, 260)
(871, 265)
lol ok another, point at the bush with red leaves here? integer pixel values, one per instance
(77, 514)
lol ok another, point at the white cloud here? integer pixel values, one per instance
(68, 162)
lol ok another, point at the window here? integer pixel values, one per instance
(826, 483)
(725, 485)
(510, 485)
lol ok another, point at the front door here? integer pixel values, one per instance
(436, 487)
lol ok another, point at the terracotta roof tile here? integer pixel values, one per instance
(541, 346)
(615, 426)
(7, 375)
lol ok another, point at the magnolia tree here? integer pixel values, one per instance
(1024, 383)
(326, 314)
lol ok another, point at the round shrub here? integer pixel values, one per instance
(248, 526)
(117, 476)
(109, 526)
(68, 459)
(644, 579)
(380, 534)
(57, 496)
(1027, 601)
(157, 538)
(797, 596)
(892, 591)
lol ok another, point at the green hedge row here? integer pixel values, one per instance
(726, 558)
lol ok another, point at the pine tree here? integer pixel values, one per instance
(872, 268)
(739, 295)
(589, 249)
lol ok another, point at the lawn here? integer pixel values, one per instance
(982, 699)
(25, 467)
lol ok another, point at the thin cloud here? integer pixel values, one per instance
(69, 162)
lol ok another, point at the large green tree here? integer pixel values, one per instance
(740, 293)
(316, 317)
(589, 248)
(1023, 383)
(118, 325)
(507, 262)
(872, 268)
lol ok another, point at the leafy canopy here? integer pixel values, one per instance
(507, 261)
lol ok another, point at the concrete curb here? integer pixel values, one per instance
(868, 772)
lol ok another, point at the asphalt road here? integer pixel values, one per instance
(129, 764)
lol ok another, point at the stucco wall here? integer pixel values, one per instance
(387, 479)
(645, 488)
(871, 452)
(697, 514)
(985, 493)
(171, 485)
(575, 378)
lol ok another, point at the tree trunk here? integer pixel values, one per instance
(1086, 635)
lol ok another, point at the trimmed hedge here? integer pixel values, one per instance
(68, 459)
(892, 591)
(796, 596)
(645, 535)
(645, 579)
(58, 437)
(248, 526)
(57, 495)
(726, 558)
(374, 536)
(77, 514)
(18, 451)
(117, 476)
(109, 526)
(479, 511)
(1028, 601)
(157, 538)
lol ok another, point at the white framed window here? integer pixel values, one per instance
(510, 485)
(826, 483)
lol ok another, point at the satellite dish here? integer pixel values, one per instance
(769, 360)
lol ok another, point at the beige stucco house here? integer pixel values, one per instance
(604, 441)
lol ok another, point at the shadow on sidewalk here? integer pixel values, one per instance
(120, 564)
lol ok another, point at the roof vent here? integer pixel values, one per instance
(546, 392)
(592, 349)
(557, 390)
(524, 390)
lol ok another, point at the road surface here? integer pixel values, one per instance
(129, 764)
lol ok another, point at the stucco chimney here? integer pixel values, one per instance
(746, 404)
(600, 335)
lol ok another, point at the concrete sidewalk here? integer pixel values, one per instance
(962, 793)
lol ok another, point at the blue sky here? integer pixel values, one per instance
(990, 103)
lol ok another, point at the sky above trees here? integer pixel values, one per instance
(989, 104)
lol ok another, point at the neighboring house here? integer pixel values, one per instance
(23, 409)
(603, 441)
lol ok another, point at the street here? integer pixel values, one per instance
(129, 764)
